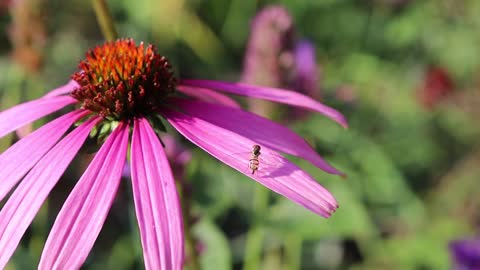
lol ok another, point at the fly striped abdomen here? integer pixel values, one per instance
(254, 163)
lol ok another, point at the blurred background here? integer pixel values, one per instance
(404, 73)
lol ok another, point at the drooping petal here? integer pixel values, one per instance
(208, 95)
(157, 206)
(64, 89)
(272, 94)
(25, 113)
(17, 160)
(286, 178)
(258, 129)
(21, 207)
(85, 210)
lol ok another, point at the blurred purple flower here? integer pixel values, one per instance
(122, 87)
(466, 254)
(275, 58)
(307, 73)
(271, 35)
(268, 57)
(177, 153)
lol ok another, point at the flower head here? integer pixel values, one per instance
(120, 89)
(121, 80)
(466, 254)
(436, 87)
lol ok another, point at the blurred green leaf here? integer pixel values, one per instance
(350, 221)
(427, 248)
(215, 250)
(211, 191)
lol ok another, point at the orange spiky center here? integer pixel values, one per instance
(120, 80)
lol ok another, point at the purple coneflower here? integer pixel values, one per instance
(268, 54)
(122, 88)
(270, 45)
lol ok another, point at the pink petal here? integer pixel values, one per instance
(208, 95)
(65, 89)
(272, 94)
(25, 113)
(85, 210)
(157, 206)
(21, 207)
(17, 160)
(286, 179)
(256, 128)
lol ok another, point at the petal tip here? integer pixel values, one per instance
(328, 213)
(343, 121)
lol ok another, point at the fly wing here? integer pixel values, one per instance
(268, 165)
(243, 158)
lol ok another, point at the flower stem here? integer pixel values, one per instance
(105, 19)
(253, 248)
(254, 241)
(293, 250)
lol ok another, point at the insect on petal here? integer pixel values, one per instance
(258, 129)
(285, 178)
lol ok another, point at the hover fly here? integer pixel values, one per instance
(254, 163)
(257, 162)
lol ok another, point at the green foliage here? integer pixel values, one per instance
(215, 250)
(412, 171)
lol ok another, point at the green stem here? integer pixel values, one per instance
(105, 19)
(254, 241)
(293, 251)
(190, 243)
